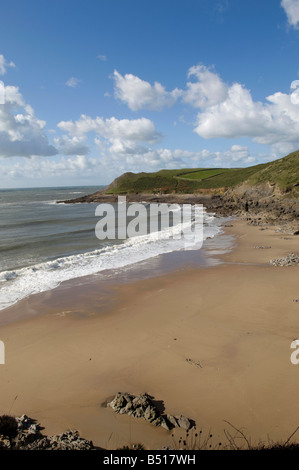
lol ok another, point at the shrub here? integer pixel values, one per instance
(8, 426)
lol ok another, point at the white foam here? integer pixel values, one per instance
(18, 284)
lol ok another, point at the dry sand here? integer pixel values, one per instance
(237, 320)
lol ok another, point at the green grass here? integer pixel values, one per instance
(230, 177)
(203, 174)
(284, 173)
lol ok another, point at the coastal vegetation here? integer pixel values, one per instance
(282, 173)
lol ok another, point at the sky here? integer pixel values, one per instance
(91, 89)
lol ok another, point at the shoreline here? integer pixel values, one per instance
(109, 279)
(77, 256)
(237, 319)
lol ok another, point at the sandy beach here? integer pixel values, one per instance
(69, 350)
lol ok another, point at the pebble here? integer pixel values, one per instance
(290, 260)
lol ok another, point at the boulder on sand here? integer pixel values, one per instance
(142, 406)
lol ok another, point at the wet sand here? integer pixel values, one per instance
(75, 349)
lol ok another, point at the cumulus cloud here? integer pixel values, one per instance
(73, 82)
(122, 144)
(117, 140)
(21, 132)
(207, 91)
(235, 156)
(114, 162)
(38, 168)
(141, 129)
(4, 64)
(231, 112)
(75, 165)
(225, 110)
(125, 144)
(149, 159)
(291, 8)
(139, 94)
(71, 145)
(138, 158)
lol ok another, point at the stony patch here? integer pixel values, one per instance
(29, 437)
(291, 260)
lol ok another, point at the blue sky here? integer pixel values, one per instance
(90, 89)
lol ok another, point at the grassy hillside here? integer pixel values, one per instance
(284, 173)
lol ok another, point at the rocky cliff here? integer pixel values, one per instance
(267, 193)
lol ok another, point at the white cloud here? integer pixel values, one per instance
(141, 129)
(38, 168)
(73, 82)
(151, 160)
(207, 91)
(139, 94)
(125, 145)
(291, 8)
(114, 162)
(225, 110)
(4, 64)
(21, 132)
(71, 146)
(117, 140)
(141, 158)
(282, 148)
(235, 114)
(235, 156)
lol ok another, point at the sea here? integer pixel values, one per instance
(43, 243)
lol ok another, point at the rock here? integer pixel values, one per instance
(290, 260)
(195, 363)
(142, 406)
(151, 413)
(28, 426)
(4, 443)
(69, 440)
(164, 423)
(141, 401)
(184, 423)
(173, 421)
(261, 204)
(138, 413)
(120, 401)
(128, 409)
(29, 437)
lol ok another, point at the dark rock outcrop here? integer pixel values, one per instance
(259, 205)
(29, 437)
(142, 406)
